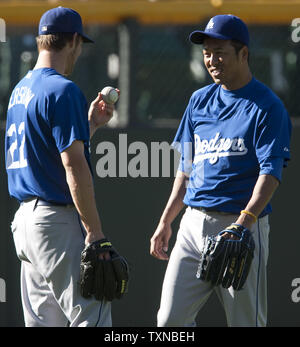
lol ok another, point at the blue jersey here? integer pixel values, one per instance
(227, 139)
(46, 113)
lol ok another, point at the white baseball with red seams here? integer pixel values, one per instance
(109, 95)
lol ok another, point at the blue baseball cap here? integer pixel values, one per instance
(223, 27)
(62, 20)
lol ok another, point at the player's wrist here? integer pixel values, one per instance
(251, 214)
(93, 126)
(164, 223)
(93, 232)
(245, 220)
(93, 236)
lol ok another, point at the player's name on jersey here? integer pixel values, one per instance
(22, 95)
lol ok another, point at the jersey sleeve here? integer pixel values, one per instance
(272, 166)
(69, 119)
(184, 140)
(273, 133)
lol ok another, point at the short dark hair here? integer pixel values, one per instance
(238, 45)
(54, 42)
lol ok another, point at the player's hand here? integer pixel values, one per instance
(92, 237)
(100, 112)
(160, 241)
(230, 236)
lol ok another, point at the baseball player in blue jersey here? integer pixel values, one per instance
(234, 141)
(49, 126)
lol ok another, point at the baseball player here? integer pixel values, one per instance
(47, 160)
(234, 141)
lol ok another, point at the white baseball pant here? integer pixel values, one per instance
(49, 241)
(183, 295)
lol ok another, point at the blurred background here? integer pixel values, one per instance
(142, 47)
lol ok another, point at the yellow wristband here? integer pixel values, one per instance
(249, 214)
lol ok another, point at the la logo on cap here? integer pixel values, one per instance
(210, 24)
(44, 28)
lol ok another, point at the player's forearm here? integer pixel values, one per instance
(262, 194)
(92, 129)
(81, 187)
(175, 202)
(82, 191)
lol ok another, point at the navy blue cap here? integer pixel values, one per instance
(223, 27)
(62, 20)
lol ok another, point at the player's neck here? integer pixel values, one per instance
(53, 60)
(240, 82)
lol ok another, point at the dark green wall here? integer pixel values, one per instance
(130, 209)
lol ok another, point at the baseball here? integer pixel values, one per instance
(109, 95)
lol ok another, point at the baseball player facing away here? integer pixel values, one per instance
(47, 160)
(234, 141)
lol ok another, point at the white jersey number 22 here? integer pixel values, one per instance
(12, 132)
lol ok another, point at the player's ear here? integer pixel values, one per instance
(244, 52)
(76, 38)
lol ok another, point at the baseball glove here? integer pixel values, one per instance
(105, 279)
(227, 261)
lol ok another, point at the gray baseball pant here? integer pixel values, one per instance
(183, 295)
(49, 241)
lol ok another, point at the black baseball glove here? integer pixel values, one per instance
(105, 279)
(227, 261)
